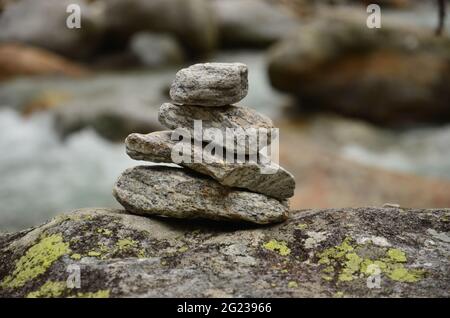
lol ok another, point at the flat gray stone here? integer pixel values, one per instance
(179, 193)
(263, 177)
(173, 116)
(210, 84)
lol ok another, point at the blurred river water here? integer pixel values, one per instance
(43, 175)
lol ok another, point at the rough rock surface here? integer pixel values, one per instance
(210, 84)
(316, 253)
(235, 117)
(174, 116)
(337, 65)
(262, 177)
(179, 193)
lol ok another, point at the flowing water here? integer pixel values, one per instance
(42, 175)
(419, 151)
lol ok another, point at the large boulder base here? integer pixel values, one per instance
(316, 253)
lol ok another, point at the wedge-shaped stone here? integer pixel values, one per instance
(241, 121)
(260, 176)
(180, 193)
(174, 116)
(210, 84)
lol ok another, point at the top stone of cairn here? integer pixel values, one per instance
(210, 84)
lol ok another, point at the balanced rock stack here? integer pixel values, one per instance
(213, 187)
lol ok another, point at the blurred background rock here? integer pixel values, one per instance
(364, 114)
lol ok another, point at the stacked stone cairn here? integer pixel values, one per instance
(213, 187)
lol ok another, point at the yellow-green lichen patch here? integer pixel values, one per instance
(49, 290)
(396, 255)
(276, 246)
(75, 256)
(330, 255)
(368, 266)
(128, 244)
(338, 294)
(98, 294)
(328, 269)
(79, 217)
(344, 261)
(94, 253)
(302, 226)
(292, 284)
(101, 251)
(401, 274)
(105, 232)
(183, 249)
(36, 261)
(351, 266)
(124, 244)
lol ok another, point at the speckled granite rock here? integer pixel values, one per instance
(179, 193)
(122, 255)
(266, 177)
(174, 116)
(210, 84)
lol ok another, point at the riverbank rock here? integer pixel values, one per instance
(43, 24)
(337, 64)
(316, 253)
(113, 104)
(21, 60)
(192, 22)
(210, 84)
(179, 193)
(252, 23)
(263, 177)
(155, 50)
(108, 117)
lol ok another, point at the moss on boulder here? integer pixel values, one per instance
(361, 252)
